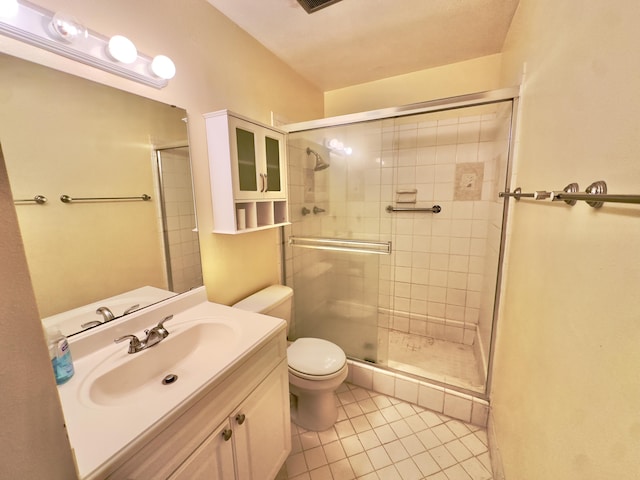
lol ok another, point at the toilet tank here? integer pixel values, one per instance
(274, 301)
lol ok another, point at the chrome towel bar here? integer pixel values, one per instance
(595, 195)
(434, 209)
(69, 199)
(39, 199)
(341, 245)
(517, 194)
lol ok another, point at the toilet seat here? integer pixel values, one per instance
(315, 359)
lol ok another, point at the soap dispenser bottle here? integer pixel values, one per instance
(60, 355)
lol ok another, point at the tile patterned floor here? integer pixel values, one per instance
(378, 437)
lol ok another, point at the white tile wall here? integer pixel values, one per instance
(184, 248)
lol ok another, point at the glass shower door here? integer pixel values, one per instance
(336, 245)
(426, 182)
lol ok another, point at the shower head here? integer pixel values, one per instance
(320, 163)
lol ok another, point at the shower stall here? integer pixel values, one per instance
(395, 245)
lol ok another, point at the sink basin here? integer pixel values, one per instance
(184, 360)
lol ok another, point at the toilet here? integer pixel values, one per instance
(316, 367)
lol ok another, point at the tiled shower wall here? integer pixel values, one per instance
(443, 272)
(180, 220)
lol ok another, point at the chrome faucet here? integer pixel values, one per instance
(107, 314)
(154, 336)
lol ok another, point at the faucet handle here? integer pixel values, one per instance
(160, 327)
(165, 319)
(132, 308)
(134, 344)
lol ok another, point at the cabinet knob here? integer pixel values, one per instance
(226, 434)
(240, 418)
(263, 182)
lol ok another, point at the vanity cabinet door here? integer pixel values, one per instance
(262, 428)
(212, 460)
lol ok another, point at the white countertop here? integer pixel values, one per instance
(103, 428)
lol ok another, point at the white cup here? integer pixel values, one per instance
(242, 218)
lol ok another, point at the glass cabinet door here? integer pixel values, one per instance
(272, 154)
(247, 178)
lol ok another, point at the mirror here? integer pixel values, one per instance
(106, 149)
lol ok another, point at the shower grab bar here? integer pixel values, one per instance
(341, 245)
(39, 199)
(434, 209)
(595, 195)
(69, 199)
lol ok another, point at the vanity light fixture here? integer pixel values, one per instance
(64, 35)
(122, 49)
(8, 8)
(68, 28)
(163, 67)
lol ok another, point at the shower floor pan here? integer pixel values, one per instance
(439, 360)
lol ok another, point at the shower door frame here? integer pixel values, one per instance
(511, 94)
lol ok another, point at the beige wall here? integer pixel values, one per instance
(471, 76)
(566, 393)
(33, 440)
(218, 67)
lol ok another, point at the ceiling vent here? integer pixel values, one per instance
(312, 6)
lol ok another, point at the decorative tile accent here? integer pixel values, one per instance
(468, 181)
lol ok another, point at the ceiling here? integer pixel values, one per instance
(357, 41)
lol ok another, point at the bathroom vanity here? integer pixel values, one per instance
(211, 400)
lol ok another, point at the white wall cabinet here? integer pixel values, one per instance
(240, 429)
(248, 168)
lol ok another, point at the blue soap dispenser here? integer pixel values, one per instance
(60, 355)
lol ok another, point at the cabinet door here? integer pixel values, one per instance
(262, 428)
(212, 460)
(248, 178)
(275, 165)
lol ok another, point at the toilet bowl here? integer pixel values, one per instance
(316, 367)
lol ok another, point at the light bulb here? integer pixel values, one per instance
(163, 67)
(8, 8)
(67, 28)
(122, 49)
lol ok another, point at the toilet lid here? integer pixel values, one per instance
(314, 356)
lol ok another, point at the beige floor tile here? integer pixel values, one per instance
(383, 438)
(334, 452)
